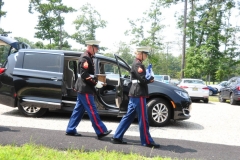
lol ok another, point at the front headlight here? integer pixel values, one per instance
(182, 94)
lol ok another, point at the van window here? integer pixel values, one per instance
(166, 78)
(110, 68)
(41, 61)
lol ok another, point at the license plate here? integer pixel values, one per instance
(195, 89)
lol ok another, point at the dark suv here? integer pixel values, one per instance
(230, 91)
(37, 81)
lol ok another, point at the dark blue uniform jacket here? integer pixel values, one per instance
(139, 85)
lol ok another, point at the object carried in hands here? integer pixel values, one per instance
(101, 80)
(99, 84)
(149, 72)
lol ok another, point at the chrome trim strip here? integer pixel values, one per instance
(58, 52)
(41, 71)
(52, 103)
(71, 102)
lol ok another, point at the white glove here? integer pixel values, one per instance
(99, 84)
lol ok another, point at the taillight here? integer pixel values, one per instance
(183, 86)
(205, 88)
(2, 70)
(238, 88)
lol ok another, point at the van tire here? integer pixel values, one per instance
(156, 106)
(32, 111)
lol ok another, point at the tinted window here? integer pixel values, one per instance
(194, 81)
(238, 80)
(234, 81)
(112, 68)
(165, 77)
(40, 61)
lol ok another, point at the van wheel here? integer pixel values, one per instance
(159, 112)
(31, 111)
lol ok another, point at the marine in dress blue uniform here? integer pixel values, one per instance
(85, 87)
(137, 102)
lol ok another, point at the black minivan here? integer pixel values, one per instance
(37, 81)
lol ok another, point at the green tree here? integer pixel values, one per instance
(39, 45)
(124, 52)
(20, 39)
(50, 20)
(208, 31)
(147, 30)
(87, 23)
(109, 55)
(4, 49)
(3, 14)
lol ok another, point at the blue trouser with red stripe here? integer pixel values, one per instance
(136, 106)
(85, 102)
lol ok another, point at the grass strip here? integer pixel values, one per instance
(38, 152)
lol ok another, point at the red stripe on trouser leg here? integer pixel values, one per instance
(93, 114)
(143, 120)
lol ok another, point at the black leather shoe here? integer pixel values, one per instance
(117, 141)
(153, 145)
(73, 134)
(104, 134)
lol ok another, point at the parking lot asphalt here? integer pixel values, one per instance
(211, 133)
(173, 148)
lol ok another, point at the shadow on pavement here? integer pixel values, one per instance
(6, 129)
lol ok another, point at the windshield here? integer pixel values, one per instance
(194, 81)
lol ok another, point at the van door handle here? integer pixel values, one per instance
(54, 78)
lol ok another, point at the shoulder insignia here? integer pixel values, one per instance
(140, 70)
(85, 65)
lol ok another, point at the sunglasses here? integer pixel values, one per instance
(97, 46)
(145, 52)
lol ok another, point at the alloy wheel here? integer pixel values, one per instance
(31, 109)
(160, 112)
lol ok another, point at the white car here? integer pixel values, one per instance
(219, 86)
(196, 89)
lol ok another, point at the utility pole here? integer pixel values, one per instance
(167, 57)
(184, 39)
(60, 30)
